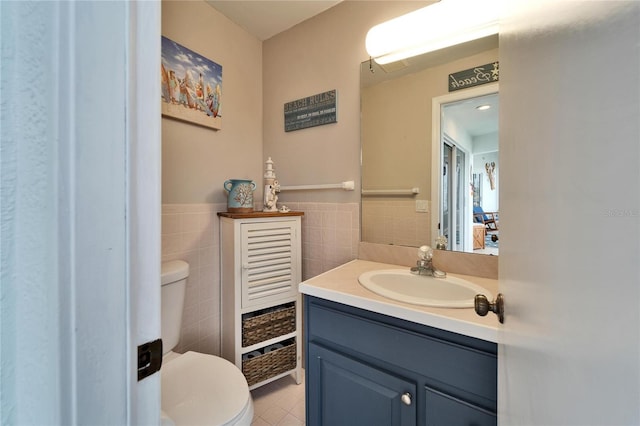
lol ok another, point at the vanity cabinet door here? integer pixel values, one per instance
(445, 409)
(346, 391)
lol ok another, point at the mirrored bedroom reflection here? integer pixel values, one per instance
(469, 161)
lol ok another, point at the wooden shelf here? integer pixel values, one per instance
(257, 214)
(264, 344)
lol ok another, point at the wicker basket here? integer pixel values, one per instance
(270, 364)
(268, 325)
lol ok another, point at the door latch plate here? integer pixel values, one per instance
(149, 358)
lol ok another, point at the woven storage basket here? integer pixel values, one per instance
(271, 364)
(268, 325)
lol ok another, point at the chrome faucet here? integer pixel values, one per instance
(424, 265)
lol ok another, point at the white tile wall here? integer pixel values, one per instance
(190, 232)
(330, 237)
(394, 222)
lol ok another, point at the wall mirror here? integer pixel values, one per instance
(405, 200)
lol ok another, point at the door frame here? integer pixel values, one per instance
(454, 190)
(144, 202)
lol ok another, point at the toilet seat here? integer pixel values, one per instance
(199, 389)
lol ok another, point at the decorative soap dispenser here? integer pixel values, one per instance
(271, 187)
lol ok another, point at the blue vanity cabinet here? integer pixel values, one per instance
(346, 385)
(365, 368)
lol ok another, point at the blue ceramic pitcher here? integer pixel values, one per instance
(240, 199)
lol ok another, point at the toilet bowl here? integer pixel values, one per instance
(197, 389)
(200, 389)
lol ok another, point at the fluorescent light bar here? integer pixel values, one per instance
(440, 25)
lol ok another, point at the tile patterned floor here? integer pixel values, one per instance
(279, 403)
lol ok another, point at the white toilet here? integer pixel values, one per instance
(197, 389)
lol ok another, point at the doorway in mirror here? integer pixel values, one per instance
(455, 196)
(465, 169)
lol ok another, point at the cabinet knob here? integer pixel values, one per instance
(483, 306)
(406, 398)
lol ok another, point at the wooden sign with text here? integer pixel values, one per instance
(476, 76)
(311, 111)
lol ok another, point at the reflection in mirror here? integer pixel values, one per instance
(468, 157)
(396, 132)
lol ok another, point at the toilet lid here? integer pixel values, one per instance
(203, 389)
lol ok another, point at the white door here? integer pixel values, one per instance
(80, 209)
(569, 351)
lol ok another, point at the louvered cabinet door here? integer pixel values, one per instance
(269, 262)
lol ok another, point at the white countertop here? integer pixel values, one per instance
(341, 285)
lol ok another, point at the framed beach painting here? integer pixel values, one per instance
(191, 86)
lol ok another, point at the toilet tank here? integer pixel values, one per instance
(174, 280)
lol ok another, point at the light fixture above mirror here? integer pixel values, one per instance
(437, 26)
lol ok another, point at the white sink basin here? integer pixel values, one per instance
(403, 286)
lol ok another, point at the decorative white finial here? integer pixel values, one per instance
(271, 186)
(268, 173)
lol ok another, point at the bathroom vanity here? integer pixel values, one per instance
(261, 306)
(374, 361)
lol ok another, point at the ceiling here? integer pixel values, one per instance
(475, 122)
(266, 18)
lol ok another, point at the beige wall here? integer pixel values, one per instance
(396, 125)
(321, 54)
(196, 160)
(396, 139)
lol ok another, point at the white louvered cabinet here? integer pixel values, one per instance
(261, 307)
